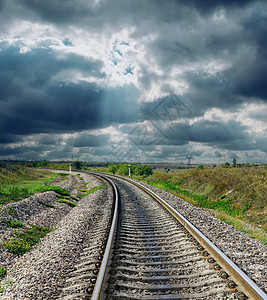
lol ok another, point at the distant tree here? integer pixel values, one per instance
(234, 162)
(112, 169)
(40, 164)
(227, 164)
(200, 167)
(142, 170)
(124, 169)
(77, 165)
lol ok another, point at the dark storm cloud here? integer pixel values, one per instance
(178, 38)
(118, 11)
(89, 140)
(7, 139)
(58, 11)
(48, 140)
(230, 135)
(2, 3)
(30, 102)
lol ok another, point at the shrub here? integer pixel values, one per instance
(112, 169)
(143, 170)
(77, 165)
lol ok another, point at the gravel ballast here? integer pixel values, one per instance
(43, 272)
(248, 254)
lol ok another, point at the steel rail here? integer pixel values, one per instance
(245, 284)
(104, 264)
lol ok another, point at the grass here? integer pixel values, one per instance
(23, 241)
(19, 182)
(13, 223)
(2, 272)
(47, 204)
(238, 193)
(57, 189)
(9, 210)
(252, 231)
(94, 189)
(67, 202)
(4, 286)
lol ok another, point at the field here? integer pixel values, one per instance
(18, 182)
(238, 196)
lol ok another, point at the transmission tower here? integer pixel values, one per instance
(189, 160)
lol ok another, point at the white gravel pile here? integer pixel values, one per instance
(42, 273)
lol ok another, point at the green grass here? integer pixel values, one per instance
(239, 193)
(9, 210)
(2, 272)
(253, 232)
(94, 189)
(57, 189)
(47, 204)
(13, 223)
(67, 202)
(22, 185)
(23, 241)
(5, 285)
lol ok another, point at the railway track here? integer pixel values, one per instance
(146, 250)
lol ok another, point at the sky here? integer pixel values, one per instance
(142, 80)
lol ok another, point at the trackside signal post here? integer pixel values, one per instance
(70, 168)
(129, 170)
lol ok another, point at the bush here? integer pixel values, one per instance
(77, 165)
(124, 169)
(143, 170)
(40, 164)
(112, 169)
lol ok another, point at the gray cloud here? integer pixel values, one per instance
(31, 103)
(89, 140)
(217, 49)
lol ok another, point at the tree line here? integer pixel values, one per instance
(123, 169)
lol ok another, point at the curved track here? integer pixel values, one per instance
(152, 252)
